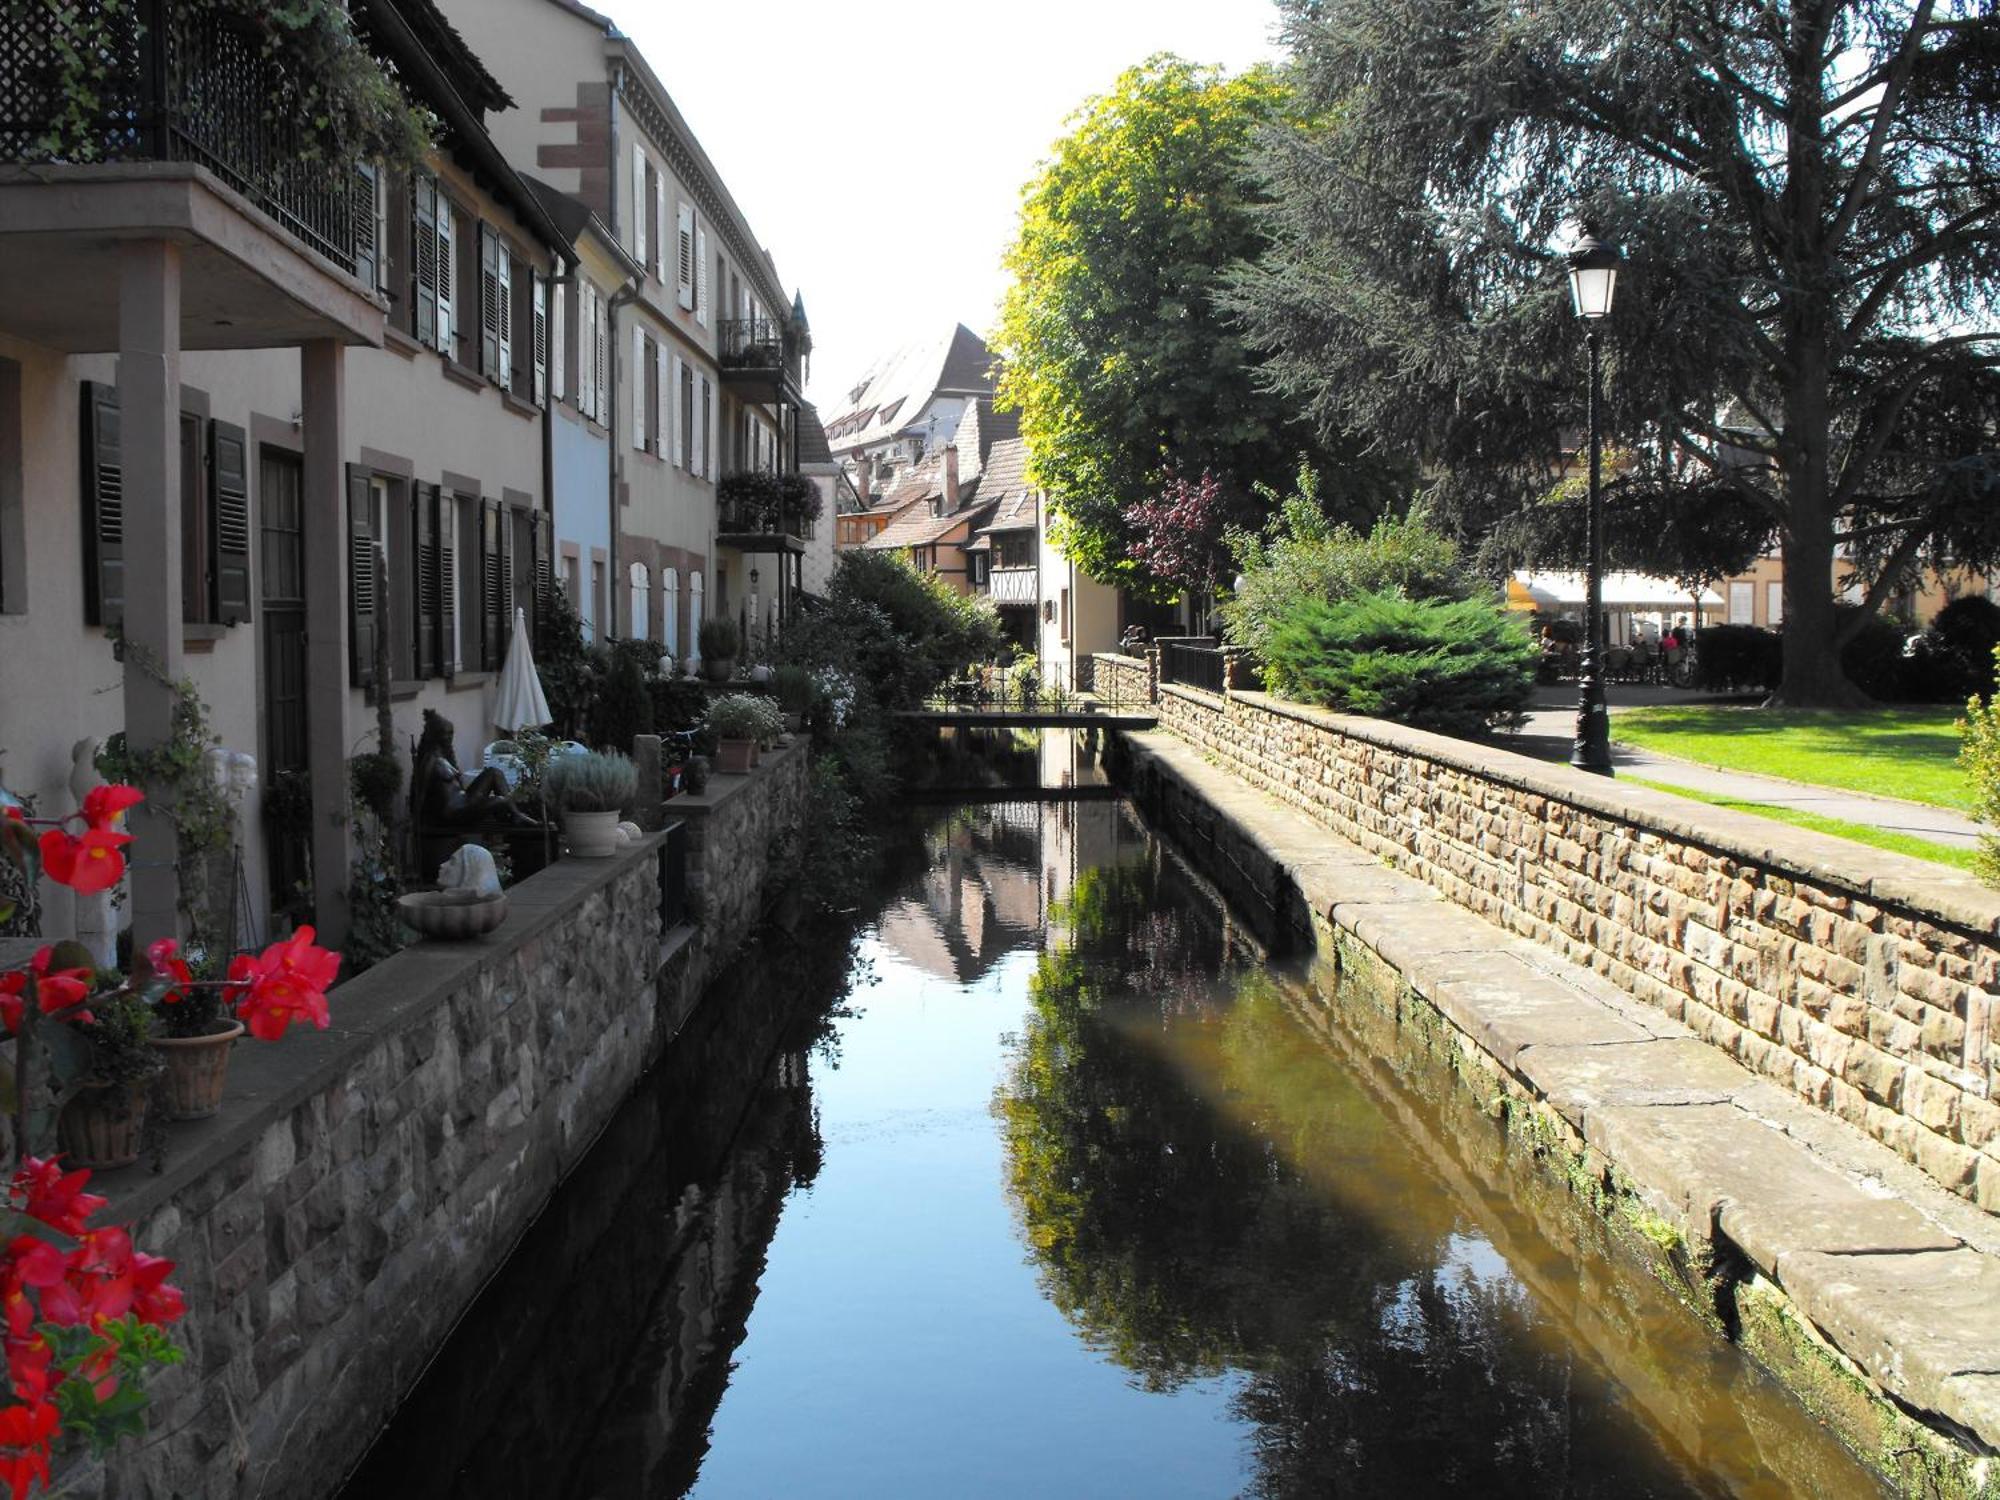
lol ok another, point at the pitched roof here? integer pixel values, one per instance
(1005, 482)
(917, 527)
(901, 387)
(813, 448)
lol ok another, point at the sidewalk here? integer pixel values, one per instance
(1551, 729)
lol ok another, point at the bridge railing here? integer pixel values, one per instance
(1204, 667)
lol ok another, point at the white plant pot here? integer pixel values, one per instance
(591, 835)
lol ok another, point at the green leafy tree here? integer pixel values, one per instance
(1807, 196)
(1117, 352)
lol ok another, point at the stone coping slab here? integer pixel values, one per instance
(268, 1081)
(1920, 885)
(1895, 1272)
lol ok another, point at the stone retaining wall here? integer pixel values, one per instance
(1125, 679)
(1863, 981)
(362, 1184)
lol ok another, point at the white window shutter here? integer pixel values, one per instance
(671, 394)
(698, 460)
(685, 224)
(640, 206)
(600, 327)
(662, 423)
(638, 386)
(701, 277)
(446, 273)
(540, 337)
(504, 277)
(659, 266)
(557, 353)
(586, 349)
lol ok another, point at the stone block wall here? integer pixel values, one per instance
(362, 1184)
(1125, 679)
(1864, 981)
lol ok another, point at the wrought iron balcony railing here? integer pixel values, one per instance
(766, 505)
(181, 83)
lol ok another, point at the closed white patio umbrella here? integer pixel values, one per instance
(520, 703)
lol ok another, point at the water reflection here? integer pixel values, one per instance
(1084, 1198)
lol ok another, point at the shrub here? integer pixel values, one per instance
(1302, 555)
(720, 639)
(563, 662)
(1456, 666)
(1729, 657)
(794, 686)
(624, 707)
(1953, 660)
(591, 782)
(745, 716)
(1979, 754)
(678, 704)
(1874, 660)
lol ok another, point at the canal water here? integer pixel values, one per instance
(1037, 1179)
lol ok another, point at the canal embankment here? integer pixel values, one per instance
(1501, 915)
(362, 1184)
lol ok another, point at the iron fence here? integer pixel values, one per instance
(1204, 667)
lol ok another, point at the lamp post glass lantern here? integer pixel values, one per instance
(1593, 278)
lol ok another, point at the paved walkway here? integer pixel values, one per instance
(1551, 729)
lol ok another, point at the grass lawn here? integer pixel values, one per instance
(1861, 833)
(1892, 752)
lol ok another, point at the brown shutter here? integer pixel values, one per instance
(429, 574)
(446, 524)
(229, 515)
(489, 303)
(424, 256)
(103, 508)
(363, 619)
(361, 211)
(492, 584)
(545, 567)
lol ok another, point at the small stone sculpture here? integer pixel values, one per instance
(470, 871)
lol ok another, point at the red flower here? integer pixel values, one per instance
(165, 957)
(102, 805)
(26, 1430)
(286, 982)
(86, 865)
(46, 1192)
(53, 992)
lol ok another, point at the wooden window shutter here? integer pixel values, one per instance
(492, 585)
(698, 463)
(586, 348)
(710, 423)
(557, 299)
(489, 304)
(509, 281)
(638, 383)
(539, 387)
(545, 567)
(648, 393)
(508, 562)
(363, 616)
(662, 419)
(701, 277)
(674, 425)
(660, 251)
(430, 573)
(445, 524)
(447, 281)
(642, 204)
(229, 514)
(104, 508)
(362, 212)
(685, 224)
(603, 344)
(424, 257)
(398, 238)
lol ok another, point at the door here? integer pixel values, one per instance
(287, 790)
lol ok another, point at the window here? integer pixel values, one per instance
(1742, 604)
(1774, 604)
(642, 203)
(366, 213)
(687, 443)
(556, 298)
(670, 610)
(705, 435)
(646, 431)
(642, 364)
(572, 581)
(665, 368)
(639, 622)
(595, 623)
(602, 345)
(587, 366)
(496, 308)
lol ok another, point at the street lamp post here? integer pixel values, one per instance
(1593, 277)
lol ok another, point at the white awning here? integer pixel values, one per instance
(1621, 591)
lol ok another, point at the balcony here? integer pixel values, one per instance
(183, 144)
(1014, 586)
(759, 359)
(760, 512)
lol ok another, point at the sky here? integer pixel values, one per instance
(879, 149)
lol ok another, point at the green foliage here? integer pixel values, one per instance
(760, 501)
(375, 931)
(1123, 363)
(591, 782)
(679, 704)
(1456, 666)
(624, 707)
(118, 1032)
(133, 1348)
(1979, 754)
(375, 779)
(1872, 655)
(1303, 554)
(565, 665)
(1953, 659)
(899, 632)
(793, 685)
(720, 639)
(1414, 291)
(745, 716)
(1730, 658)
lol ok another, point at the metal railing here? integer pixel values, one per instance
(1203, 667)
(753, 344)
(180, 84)
(1014, 585)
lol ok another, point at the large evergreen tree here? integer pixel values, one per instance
(1807, 195)
(1127, 372)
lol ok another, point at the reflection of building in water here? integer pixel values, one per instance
(1078, 836)
(1072, 758)
(981, 897)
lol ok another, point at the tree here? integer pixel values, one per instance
(1178, 535)
(1123, 365)
(1807, 196)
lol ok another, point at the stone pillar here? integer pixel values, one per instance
(322, 386)
(149, 415)
(652, 788)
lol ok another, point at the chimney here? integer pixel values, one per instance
(950, 478)
(862, 468)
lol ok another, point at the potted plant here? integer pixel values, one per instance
(770, 720)
(720, 641)
(737, 722)
(794, 686)
(102, 1124)
(192, 1032)
(591, 790)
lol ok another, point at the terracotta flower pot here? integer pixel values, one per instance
(197, 1066)
(735, 757)
(101, 1126)
(591, 835)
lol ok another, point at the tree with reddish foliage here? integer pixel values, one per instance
(1177, 536)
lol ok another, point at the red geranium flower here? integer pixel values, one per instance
(286, 982)
(165, 957)
(46, 1192)
(86, 865)
(102, 805)
(26, 1431)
